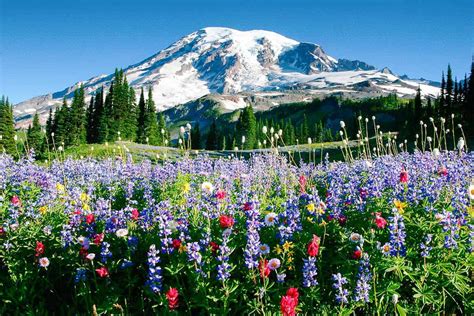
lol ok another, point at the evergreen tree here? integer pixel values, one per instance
(35, 135)
(7, 127)
(61, 124)
(418, 106)
(195, 137)
(99, 121)
(90, 122)
(429, 108)
(151, 124)
(449, 89)
(247, 126)
(141, 119)
(443, 90)
(456, 91)
(49, 126)
(469, 103)
(77, 133)
(212, 137)
(163, 135)
(108, 131)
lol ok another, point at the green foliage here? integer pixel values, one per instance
(7, 127)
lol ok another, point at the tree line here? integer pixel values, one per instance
(116, 115)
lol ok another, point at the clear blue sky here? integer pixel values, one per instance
(46, 45)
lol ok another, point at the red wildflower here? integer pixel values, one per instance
(102, 272)
(380, 221)
(176, 243)
(404, 176)
(363, 193)
(443, 171)
(90, 218)
(220, 194)
(214, 246)
(342, 220)
(302, 181)
(357, 254)
(248, 206)
(83, 252)
(77, 212)
(293, 292)
(173, 298)
(15, 200)
(264, 268)
(98, 238)
(313, 246)
(2, 231)
(226, 221)
(39, 248)
(288, 306)
(289, 302)
(135, 214)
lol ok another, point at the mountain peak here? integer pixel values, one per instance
(222, 60)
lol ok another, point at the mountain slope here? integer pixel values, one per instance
(226, 61)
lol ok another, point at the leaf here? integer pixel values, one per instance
(401, 311)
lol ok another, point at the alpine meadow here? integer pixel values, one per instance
(236, 170)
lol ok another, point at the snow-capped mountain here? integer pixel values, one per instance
(225, 61)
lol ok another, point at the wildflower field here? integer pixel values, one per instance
(261, 236)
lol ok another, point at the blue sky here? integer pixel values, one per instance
(46, 46)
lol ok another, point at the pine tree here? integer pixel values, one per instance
(151, 124)
(418, 110)
(449, 89)
(130, 120)
(212, 137)
(141, 119)
(61, 124)
(7, 127)
(429, 108)
(108, 129)
(196, 137)
(77, 133)
(456, 91)
(469, 103)
(99, 120)
(247, 127)
(90, 122)
(443, 90)
(35, 135)
(162, 129)
(49, 126)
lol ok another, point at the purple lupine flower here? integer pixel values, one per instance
(80, 275)
(154, 270)
(66, 235)
(450, 226)
(310, 271)
(290, 220)
(425, 246)
(252, 248)
(223, 269)
(397, 234)
(362, 289)
(105, 252)
(341, 293)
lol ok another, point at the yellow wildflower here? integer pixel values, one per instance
(310, 207)
(43, 209)
(84, 197)
(186, 187)
(182, 248)
(400, 206)
(287, 246)
(278, 250)
(310, 219)
(86, 207)
(60, 188)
